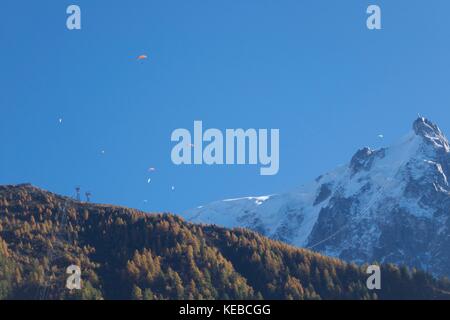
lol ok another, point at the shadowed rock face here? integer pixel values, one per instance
(387, 205)
(324, 193)
(364, 158)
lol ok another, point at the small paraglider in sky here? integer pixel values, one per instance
(381, 136)
(151, 169)
(142, 57)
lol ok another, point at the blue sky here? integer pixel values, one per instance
(309, 68)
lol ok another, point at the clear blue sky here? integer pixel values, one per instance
(309, 68)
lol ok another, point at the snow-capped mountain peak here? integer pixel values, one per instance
(431, 133)
(388, 205)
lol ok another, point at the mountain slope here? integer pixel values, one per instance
(127, 254)
(388, 205)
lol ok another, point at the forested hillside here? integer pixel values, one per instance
(127, 254)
